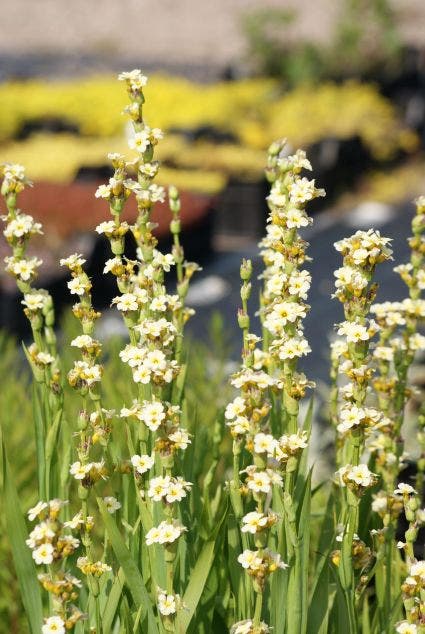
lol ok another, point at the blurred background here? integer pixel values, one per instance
(344, 80)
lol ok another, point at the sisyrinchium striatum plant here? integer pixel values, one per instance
(165, 499)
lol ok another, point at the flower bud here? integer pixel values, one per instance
(83, 420)
(245, 291)
(411, 534)
(173, 192)
(276, 147)
(246, 270)
(243, 320)
(175, 226)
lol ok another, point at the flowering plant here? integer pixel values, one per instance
(132, 532)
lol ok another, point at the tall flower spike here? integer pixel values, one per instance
(38, 304)
(266, 373)
(155, 321)
(356, 291)
(286, 284)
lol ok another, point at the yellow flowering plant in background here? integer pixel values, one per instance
(252, 111)
(164, 505)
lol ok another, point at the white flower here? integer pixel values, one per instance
(177, 489)
(158, 487)
(293, 443)
(90, 373)
(235, 408)
(40, 533)
(36, 510)
(22, 225)
(73, 261)
(22, 268)
(43, 554)
(406, 628)
(299, 283)
(295, 162)
(108, 226)
(360, 256)
(239, 426)
(361, 475)
(134, 78)
(259, 481)
(417, 569)
(180, 438)
(159, 304)
(353, 331)
(34, 301)
(79, 471)
(141, 140)
(303, 190)
(242, 627)
(75, 522)
(264, 443)
(358, 475)
(247, 627)
(153, 535)
(417, 341)
(351, 416)
(253, 522)
(142, 374)
(165, 533)
(250, 559)
(111, 504)
(276, 198)
(296, 218)
(294, 347)
(380, 503)
(143, 463)
(404, 489)
(53, 625)
(156, 360)
(414, 307)
(166, 603)
(78, 286)
(82, 341)
(152, 414)
(164, 260)
(126, 302)
(384, 353)
(103, 191)
(111, 264)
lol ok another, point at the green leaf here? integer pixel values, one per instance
(298, 573)
(198, 578)
(193, 593)
(132, 575)
(51, 444)
(319, 607)
(38, 417)
(113, 601)
(17, 531)
(309, 417)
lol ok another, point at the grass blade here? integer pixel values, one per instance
(17, 531)
(131, 572)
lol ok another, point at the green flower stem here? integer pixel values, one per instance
(420, 475)
(346, 571)
(258, 609)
